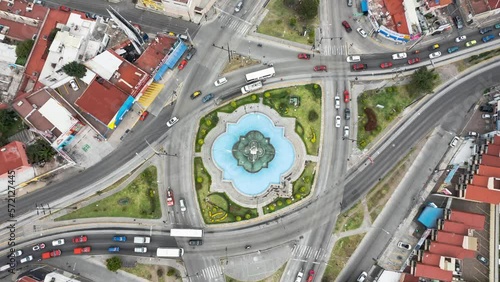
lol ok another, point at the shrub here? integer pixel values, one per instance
(312, 116)
(159, 272)
(302, 189)
(171, 271)
(307, 179)
(271, 207)
(208, 122)
(200, 141)
(114, 263)
(198, 186)
(279, 203)
(199, 179)
(248, 216)
(288, 201)
(297, 196)
(267, 94)
(293, 22)
(233, 104)
(238, 218)
(254, 97)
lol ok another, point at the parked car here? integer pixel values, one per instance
(74, 85)
(119, 238)
(143, 115)
(486, 108)
(140, 250)
(485, 30)
(320, 68)
(58, 242)
(347, 114)
(485, 116)
(80, 239)
(26, 259)
(38, 247)
(385, 65)
(434, 55)
(433, 47)
(113, 249)
(497, 26)
(55, 253)
(472, 134)
(399, 56)
(460, 38)
(482, 259)
(408, 246)
(362, 277)
(195, 242)
(353, 59)
(220, 81)
(337, 121)
(471, 43)
(346, 96)
(337, 102)
(64, 8)
(182, 204)
(413, 61)
(191, 53)
(346, 131)
(459, 22)
(170, 197)
(346, 25)
(304, 56)
(453, 143)
(452, 49)
(359, 67)
(488, 38)
(207, 98)
(195, 94)
(183, 64)
(362, 32)
(172, 121)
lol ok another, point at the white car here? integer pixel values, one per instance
(182, 204)
(460, 38)
(346, 131)
(453, 143)
(220, 81)
(404, 246)
(172, 121)
(434, 55)
(337, 102)
(58, 242)
(399, 56)
(238, 7)
(26, 259)
(18, 253)
(74, 85)
(362, 32)
(337, 121)
(353, 59)
(362, 277)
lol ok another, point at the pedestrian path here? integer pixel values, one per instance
(211, 272)
(234, 23)
(302, 252)
(332, 50)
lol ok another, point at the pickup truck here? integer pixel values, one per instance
(142, 240)
(81, 250)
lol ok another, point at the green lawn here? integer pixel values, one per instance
(310, 101)
(351, 219)
(341, 253)
(277, 24)
(393, 99)
(301, 189)
(138, 200)
(216, 207)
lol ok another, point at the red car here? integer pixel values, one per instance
(78, 251)
(144, 115)
(311, 276)
(304, 56)
(54, 253)
(347, 26)
(358, 67)
(170, 197)
(385, 65)
(64, 8)
(320, 68)
(413, 61)
(346, 96)
(80, 239)
(183, 64)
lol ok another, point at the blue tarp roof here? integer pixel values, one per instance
(172, 59)
(160, 72)
(451, 174)
(429, 216)
(124, 109)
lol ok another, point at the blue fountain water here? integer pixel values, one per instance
(246, 182)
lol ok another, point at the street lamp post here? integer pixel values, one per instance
(347, 138)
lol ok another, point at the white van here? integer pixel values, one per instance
(141, 250)
(353, 59)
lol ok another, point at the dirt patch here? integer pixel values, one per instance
(371, 124)
(238, 61)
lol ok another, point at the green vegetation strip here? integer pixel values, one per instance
(285, 20)
(351, 219)
(341, 253)
(275, 277)
(301, 189)
(307, 112)
(139, 199)
(216, 207)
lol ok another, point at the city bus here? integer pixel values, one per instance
(260, 75)
(193, 233)
(169, 252)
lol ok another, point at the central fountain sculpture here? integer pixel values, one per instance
(253, 151)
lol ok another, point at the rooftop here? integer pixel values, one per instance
(450, 238)
(12, 156)
(21, 20)
(473, 220)
(455, 227)
(433, 272)
(129, 78)
(452, 251)
(155, 53)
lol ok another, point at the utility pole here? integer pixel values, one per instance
(228, 52)
(189, 37)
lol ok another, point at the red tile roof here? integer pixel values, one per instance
(482, 194)
(427, 271)
(397, 11)
(455, 227)
(155, 53)
(19, 31)
(131, 79)
(473, 220)
(450, 238)
(489, 171)
(480, 180)
(450, 250)
(38, 12)
(490, 160)
(431, 259)
(493, 149)
(102, 100)
(13, 156)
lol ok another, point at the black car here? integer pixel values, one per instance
(482, 259)
(486, 108)
(195, 242)
(459, 22)
(191, 53)
(347, 114)
(485, 30)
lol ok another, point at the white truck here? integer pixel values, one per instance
(142, 240)
(299, 276)
(251, 87)
(169, 252)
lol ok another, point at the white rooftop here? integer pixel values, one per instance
(104, 64)
(410, 14)
(57, 115)
(8, 53)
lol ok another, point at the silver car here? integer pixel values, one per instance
(182, 204)
(172, 121)
(337, 121)
(435, 55)
(238, 7)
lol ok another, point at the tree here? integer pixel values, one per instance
(40, 152)
(114, 263)
(423, 80)
(75, 69)
(8, 118)
(308, 8)
(312, 116)
(293, 22)
(23, 49)
(289, 3)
